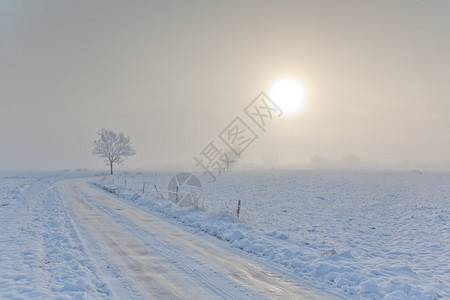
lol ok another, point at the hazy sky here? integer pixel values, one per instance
(174, 74)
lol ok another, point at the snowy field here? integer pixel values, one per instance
(374, 235)
(369, 235)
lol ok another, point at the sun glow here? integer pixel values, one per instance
(288, 95)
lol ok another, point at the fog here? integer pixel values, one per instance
(174, 74)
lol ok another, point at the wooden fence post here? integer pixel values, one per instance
(239, 208)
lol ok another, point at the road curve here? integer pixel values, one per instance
(143, 256)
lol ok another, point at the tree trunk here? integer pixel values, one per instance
(111, 166)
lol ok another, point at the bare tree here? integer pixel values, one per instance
(112, 147)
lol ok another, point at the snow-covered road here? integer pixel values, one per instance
(141, 255)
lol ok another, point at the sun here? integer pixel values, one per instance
(288, 95)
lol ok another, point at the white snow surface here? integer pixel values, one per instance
(361, 234)
(41, 256)
(356, 234)
(66, 239)
(143, 256)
